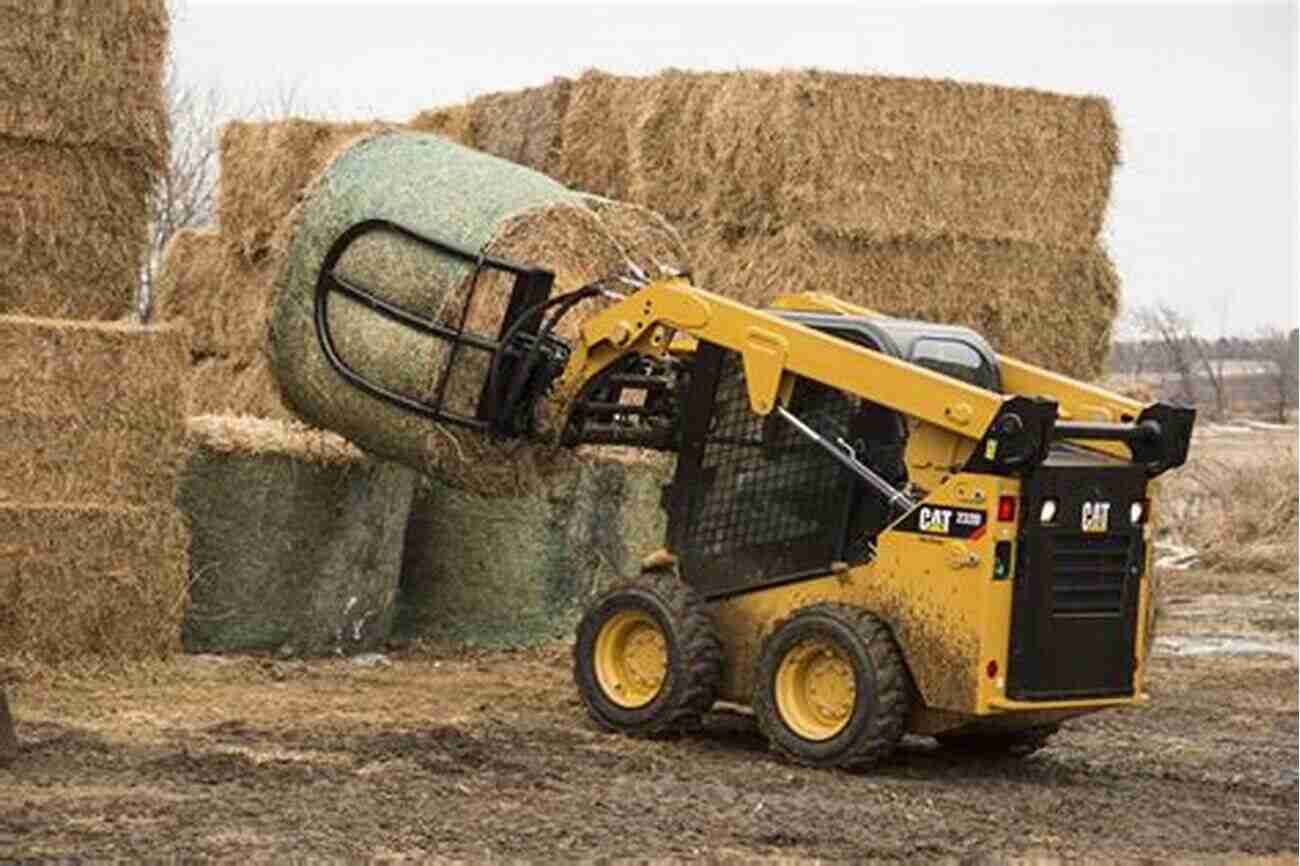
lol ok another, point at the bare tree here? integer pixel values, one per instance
(185, 194)
(1276, 351)
(1170, 331)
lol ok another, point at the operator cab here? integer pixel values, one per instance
(948, 349)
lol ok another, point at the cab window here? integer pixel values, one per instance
(953, 358)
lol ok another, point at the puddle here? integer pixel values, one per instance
(1223, 645)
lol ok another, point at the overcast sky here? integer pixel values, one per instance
(1204, 209)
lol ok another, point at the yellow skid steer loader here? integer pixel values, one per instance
(875, 526)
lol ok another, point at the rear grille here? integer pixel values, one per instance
(1088, 575)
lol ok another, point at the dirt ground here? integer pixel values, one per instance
(464, 756)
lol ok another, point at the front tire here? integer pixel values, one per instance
(647, 659)
(833, 689)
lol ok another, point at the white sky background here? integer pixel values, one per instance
(1203, 213)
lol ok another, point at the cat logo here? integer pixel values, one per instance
(936, 520)
(1096, 516)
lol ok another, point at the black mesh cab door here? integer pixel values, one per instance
(753, 502)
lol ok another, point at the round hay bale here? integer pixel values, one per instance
(73, 229)
(81, 582)
(466, 198)
(296, 539)
(85, 73)
(91, 411)
(518, 570)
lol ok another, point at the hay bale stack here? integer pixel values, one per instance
(493, 571)
(90, 411)
(93, 555)
(928, 189)
(297, 539)
(464, 197)
(84, 581)
(82, 135)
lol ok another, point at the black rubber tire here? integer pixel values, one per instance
(694, 657)
(883, 686)
(1017, 744)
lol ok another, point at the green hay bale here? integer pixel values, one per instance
(81, 582)
(91, 411)
(518, 570)
(466, 198)
(297, 539)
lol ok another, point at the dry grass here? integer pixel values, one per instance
(1238, 510)
(90, 583)
(73, 229)
(83, 73)
(92, 411)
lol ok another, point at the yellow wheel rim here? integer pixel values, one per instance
(816, 689)
(631, 659)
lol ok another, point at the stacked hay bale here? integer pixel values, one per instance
(957, 202)
(92, 550)
(297, 538)
(82, 135)
(93, 554)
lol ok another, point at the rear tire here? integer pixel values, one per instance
(833, 690)
(647, 659)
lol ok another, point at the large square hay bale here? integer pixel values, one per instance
(85, 72)
(502, 571)
(296, 539)
(464, 197)
(266, 166)
(1052, 307)
(91, 411)
(85, 582)
(73, 229)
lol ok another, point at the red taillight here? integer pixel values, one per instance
(1006, 509)
(992, 669)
